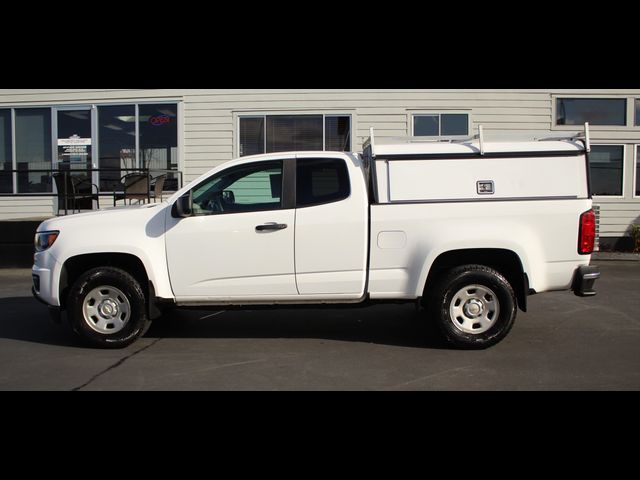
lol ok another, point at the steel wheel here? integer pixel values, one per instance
(106, 309)
(474, 309)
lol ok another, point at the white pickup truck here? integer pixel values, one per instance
(467, 229)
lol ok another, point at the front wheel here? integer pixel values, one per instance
(107, 308)
(474, 306)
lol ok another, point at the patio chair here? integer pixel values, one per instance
(136, 187)
(73, 189)
(158, 187)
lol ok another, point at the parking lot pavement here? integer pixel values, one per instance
(563, 343)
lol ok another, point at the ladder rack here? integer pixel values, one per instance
(370, 143)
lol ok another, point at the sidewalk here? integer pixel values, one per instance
(616, 256)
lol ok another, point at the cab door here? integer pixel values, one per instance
(239, 241)
(331, 227)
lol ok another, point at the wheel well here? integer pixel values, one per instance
(76, 266)
(504, 261)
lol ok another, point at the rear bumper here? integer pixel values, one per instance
(583, 281)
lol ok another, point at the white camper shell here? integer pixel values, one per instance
(474, 169)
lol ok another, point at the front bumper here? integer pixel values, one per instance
(55, 313)
(583, 280)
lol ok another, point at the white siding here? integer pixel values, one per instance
(12, 207)
(209, 123)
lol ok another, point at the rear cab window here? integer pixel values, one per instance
(320, 181)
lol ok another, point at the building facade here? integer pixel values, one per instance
(182, 133)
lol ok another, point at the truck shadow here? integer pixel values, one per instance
(24, 319)
(394, 325)
(27, 320)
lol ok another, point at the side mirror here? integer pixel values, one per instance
(229, 197)
(183, 206)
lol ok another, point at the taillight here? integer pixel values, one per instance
(587, 232)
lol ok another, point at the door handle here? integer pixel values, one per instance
(271, 226)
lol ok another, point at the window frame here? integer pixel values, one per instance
(95, 152)
(238, 114)
(341, 199)
(624, 173)
(417, 113)
(627, 125)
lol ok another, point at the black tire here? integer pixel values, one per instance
(134, 323)
(459, 331)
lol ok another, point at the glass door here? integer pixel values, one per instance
(74, 148)
(74, 140)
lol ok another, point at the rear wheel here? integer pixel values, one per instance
(107, 308)
(474, 306)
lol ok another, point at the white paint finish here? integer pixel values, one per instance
(392, 240)
(224, 256)
(541, 233)
(512, 177)
(137, 231)
(331, 239)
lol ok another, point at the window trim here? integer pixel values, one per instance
(624, 173)
(413, 113)
(574, 128)
(237, 114)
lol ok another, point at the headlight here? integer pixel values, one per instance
(44, 240)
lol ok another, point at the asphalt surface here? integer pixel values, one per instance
(563, 343)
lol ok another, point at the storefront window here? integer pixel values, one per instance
(6, 162)
(158, 130)
(605, 168)
(117, 143)
(638, 171)
(444, 124)
(596, 111)
(33, 149)
(285, 133)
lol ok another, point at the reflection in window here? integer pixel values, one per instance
(33, 149)
(637, 122)
(117, 143)
(445, 124)
(6, 162)
(605, 168)
(596, 111)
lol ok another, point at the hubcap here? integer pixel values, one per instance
(474, 309)
(106, 309)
